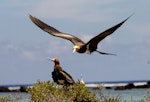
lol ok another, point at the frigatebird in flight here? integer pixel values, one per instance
(79, 45)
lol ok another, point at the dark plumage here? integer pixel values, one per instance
(79, 45)
(59, 75)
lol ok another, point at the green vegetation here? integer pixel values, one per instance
(5, 99)
(12, 98)
(49, 92)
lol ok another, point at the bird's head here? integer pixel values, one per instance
(55, 60)
(76, 48)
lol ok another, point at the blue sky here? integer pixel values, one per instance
(24, 47)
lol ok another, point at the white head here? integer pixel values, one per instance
(76, 48)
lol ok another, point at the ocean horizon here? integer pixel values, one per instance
(88, 82)
(132, 95)
(127, 95)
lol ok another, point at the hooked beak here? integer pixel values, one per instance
(50, 59)
(74, 50)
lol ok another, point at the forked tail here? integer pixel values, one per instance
(104, 53)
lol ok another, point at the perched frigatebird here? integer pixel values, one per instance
(79, 45)
(60, 76)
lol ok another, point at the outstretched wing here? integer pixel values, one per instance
(55, 32)
(94, 41)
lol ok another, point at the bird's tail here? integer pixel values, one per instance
(104, 53)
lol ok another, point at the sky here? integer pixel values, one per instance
(24, 47)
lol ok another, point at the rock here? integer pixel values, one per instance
(23, 89)
(130, 86)
(4, 89)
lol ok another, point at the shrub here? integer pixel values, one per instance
(12, 98)
(49, 92)
(5, 99)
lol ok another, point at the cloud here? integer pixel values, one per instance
(142, 28)
(20, 51)
(7, 46)
(34, 52)
(29, 55)
(85, 37)
(42, 50)
(85, 10)
(57, 47)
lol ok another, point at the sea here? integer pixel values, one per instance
(128, 95)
